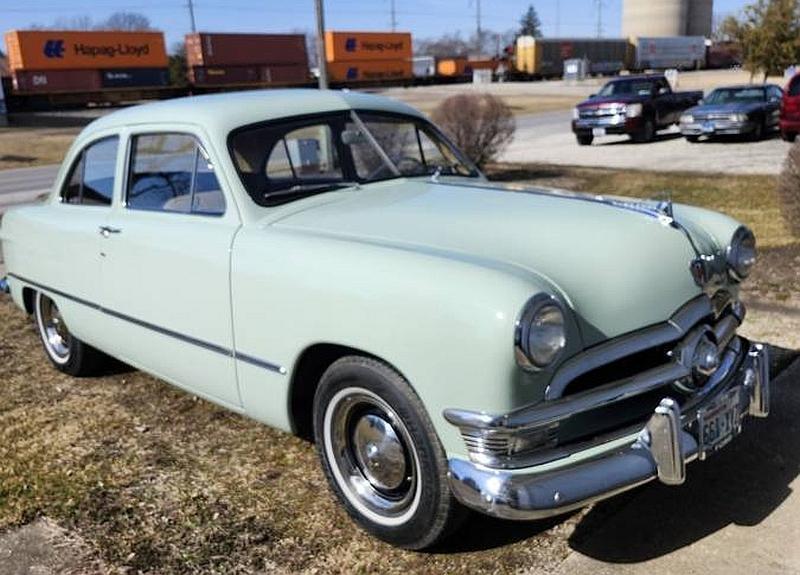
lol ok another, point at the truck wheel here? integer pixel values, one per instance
(758, 132)
(381, 455)
(789, 136)
(646, 134)
(584, 139)
(65, 351)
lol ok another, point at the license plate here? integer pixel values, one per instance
(708, 128)
(718, 424)
(598, 132)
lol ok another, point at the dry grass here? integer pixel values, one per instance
(24, 147)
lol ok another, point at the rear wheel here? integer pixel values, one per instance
(381, 455)
(789, 136)
(584, 139)
(65, 351)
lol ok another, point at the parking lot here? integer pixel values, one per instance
(546, 138)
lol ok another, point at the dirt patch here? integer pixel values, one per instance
(44, 548)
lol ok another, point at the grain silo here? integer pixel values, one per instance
(699, 19)
(654, 17)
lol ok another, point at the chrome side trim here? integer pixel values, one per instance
(158, 329)
(678, 325)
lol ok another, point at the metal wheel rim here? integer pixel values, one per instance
(53, 329)
(379, 493)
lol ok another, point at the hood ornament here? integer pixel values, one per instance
(665, 208)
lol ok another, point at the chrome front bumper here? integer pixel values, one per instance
(668, 441)
(717, 127)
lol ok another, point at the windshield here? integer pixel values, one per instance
(628, 88)
(736, 96)
(283, 161)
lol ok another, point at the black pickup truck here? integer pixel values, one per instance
(635, 105)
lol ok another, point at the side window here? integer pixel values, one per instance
(775, 93)
(91, 181)
(172, 173)
(304, 156)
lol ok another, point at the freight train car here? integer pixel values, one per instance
(246, 60)
(544, 57)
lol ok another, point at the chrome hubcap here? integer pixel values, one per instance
(379, 452)
(54, 331)
(371, 455)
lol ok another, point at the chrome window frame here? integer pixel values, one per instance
(199, 145)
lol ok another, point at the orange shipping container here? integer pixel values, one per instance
(367, 46)
(369, 71)
(452, 67)
(75, 50)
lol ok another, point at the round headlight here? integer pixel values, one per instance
(742, 253)
(540, 336)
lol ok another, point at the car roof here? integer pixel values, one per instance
(221, 113)
(745, 86)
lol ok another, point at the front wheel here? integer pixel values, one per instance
(692, 139)
(584, 139)
(381, 455)
(646, 133)
(789, 136)
(65, 351)
(758, 132)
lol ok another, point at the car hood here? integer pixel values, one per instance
(618, 264)
(732, 108)
(598, 101)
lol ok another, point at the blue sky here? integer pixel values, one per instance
(424, 18)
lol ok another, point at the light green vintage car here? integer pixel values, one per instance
(329, 264)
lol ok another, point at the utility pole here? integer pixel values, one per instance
(479, 29)
(394, 16)
(190, 5)
(322, 59)
(599, 18)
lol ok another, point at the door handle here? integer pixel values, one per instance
(106, 231)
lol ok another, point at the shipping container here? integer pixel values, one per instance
(75, 50)
(53, 81)
(546, 56)
(212, 49)
(242, 75)
(134, 77)
(452, 67)
(367, 46)
(369, 71)
(424, 66)
(681, 52)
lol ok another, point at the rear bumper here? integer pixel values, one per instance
(661, 450)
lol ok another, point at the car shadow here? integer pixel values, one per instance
(664, 137)
(739, 139)
(741, 485)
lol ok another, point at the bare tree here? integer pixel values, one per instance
(789, 191)
(126, 21)
(482, 125)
